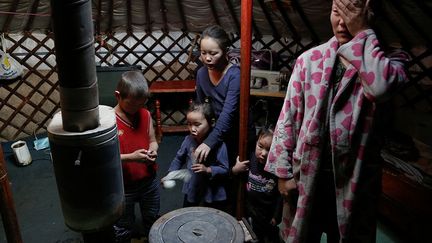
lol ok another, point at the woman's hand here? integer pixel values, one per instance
(286, 186)
(201, 152)
(354, 14)
(200, 168)
(240, 166)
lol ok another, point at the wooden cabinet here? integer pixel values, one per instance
(407, 205)
(169, 87)
(187, 87)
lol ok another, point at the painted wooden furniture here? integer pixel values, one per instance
(188, 86)
(167, 87)
(265, 92)
(406, 204)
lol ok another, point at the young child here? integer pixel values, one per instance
(138, 153)
(206, 184)
(264, 203)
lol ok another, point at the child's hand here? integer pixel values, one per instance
(152, 155)
(240, 166)
(200, 168)
(144, 155)
(202, 152)
(139, 155)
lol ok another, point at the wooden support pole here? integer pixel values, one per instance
(7, 207)
(245, 68)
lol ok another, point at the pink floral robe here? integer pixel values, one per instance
(296, 148)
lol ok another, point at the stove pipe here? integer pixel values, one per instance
(75, 54)
(83, 136)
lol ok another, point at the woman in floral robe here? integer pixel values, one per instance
(323, 148)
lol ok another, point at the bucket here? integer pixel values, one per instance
(21, 152)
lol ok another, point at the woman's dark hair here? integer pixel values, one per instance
(205, 108)
(134, 84)
(218, 34)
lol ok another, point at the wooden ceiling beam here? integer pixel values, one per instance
(306, 21)
(214, 12)
(423, 6)
(98, 17)
(285, 17)
(398, 6)
(9, 17)
(233, 15)
(31, 18)
(403, 37)
(129, 16)
(163, 11)
(269, 19)
(50, 27)
(410, 101)
(110, 16)
(182, 15)
(148, 28)
(257, 32)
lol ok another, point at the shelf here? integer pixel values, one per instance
(173, 86)
(264, 92)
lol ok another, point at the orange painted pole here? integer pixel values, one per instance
(7, 208)
(245, 68)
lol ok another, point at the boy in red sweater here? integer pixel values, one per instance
(138, 153)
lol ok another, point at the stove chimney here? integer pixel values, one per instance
(83, 136)
(75, 55)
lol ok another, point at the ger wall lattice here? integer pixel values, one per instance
(27, 105)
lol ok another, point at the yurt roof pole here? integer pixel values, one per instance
(245, 68)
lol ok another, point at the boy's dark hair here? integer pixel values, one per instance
(219, 35)
(206, 109)
(134, 84)
(266, 131)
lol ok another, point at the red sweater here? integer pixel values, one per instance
(131, 139)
